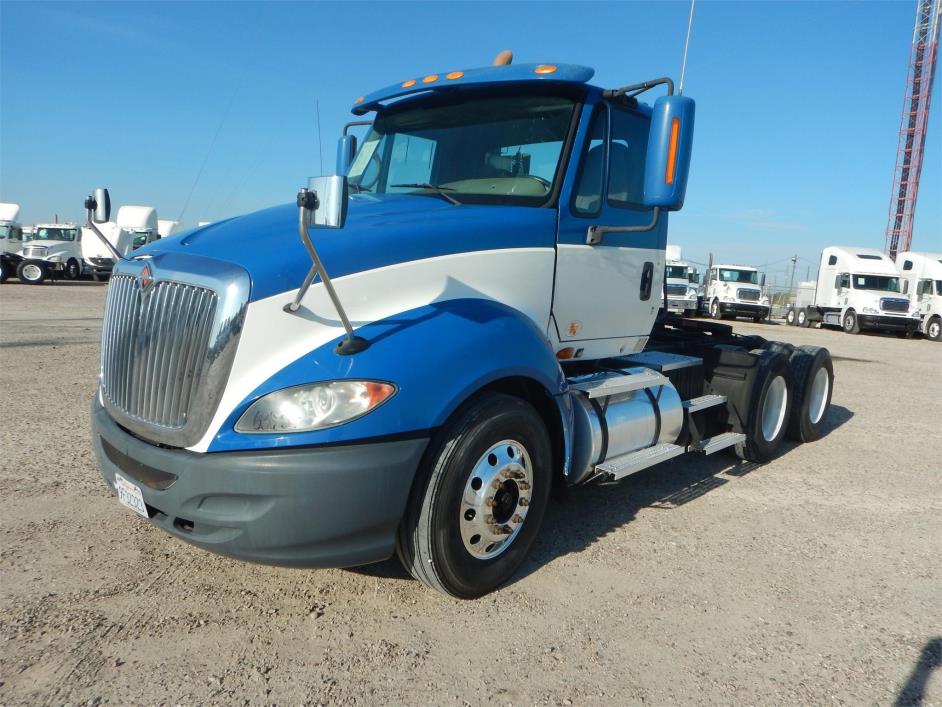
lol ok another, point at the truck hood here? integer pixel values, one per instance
(52, 247)
(381, 230)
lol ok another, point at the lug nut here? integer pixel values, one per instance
(524, 501)
(506, 530)
(489, 502)
(523, 486)
(490, 519)
(495, 484)
(517, 518)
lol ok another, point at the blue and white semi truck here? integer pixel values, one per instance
(414, 354)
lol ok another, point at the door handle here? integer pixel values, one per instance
(647, 278)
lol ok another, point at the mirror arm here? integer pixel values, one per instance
(353, 124)
(90, 206)
(639, 88)
(595, 233)
(307, 203)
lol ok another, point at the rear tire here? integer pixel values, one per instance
(72, 270)
(934, 329)
(769, 408)
(32, 273)
(850, 323)
(479, 498)
(790, 317)
(802, 318)
(813, 384)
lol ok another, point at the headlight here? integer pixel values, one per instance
(691, 292)
(765, 301)
(54, 258)
(869, 310)
(314, 406)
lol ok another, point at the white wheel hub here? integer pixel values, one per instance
(496, 500)
(32, 272)
(818, 395)
(772, 415)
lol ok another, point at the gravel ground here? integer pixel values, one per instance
(814, 579)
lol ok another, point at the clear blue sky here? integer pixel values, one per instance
(797, 118)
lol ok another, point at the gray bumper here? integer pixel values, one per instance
(744, 309)
(887, 323)
(315, 507)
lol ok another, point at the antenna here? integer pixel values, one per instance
(683, 64)
(320, 144)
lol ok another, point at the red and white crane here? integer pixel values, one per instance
(912, 133)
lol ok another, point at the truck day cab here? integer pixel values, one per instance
(735, 291)
(53, 249)
(681, 284)
(921, 275)
(410, 357)
(858, 289)
(134, 226)
(11, 240)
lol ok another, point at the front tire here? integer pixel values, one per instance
(479, 498)
(813, 384)
(32, 273)
(769, 407)
(850, 323)
(715, 312)
(934, 329)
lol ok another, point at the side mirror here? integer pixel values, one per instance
(837, 282)
(103, 206)
(670, 142)
(762, 280)
(331, 211)
(346, 150)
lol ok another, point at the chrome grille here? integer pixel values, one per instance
(154, 348)
(749, 295)
(894, 304)
(34, 251)
(679, 290)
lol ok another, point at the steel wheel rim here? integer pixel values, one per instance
(32, 272)
(801, 317)
(934, 329)
(849, 320)
(773, 408)
(818, 395)
(496, 500)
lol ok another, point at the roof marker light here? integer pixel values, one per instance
(454, 75)
(408, 84)
(359, 100)
(672, 151)
(431, 78)
(544, 69)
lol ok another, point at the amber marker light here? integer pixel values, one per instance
(408, 84)
(544, 69)
(672, 151)
(359, 100)
(431, 78)
(454, 75)
(565, 354)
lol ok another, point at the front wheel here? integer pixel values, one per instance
(479, 499)
(715, 312)
(850, 323)
(72, 269)
(32, 273)
(934, 329)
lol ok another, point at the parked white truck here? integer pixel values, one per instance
(11, 240)
(859, 289)
(54, 250)
(134, 226)
(167, 228)
(921, 275)
(735, 291)
(681, 281)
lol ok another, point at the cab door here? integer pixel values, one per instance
(606, 295)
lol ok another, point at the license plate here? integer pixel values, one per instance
(130, 495)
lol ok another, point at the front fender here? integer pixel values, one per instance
(437, 355)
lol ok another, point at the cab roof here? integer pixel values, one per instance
(512, 73)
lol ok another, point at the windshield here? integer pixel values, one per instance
(140, 238)
(938, 286)
(749, 277)
(676, 272)
(880, 283)
(44, 233)
(4, 231)
(491, 150)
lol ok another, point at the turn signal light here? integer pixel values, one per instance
(544, 69)
(454, 75)
(360, 100)
(672, 151)
(566, 353)
(408, 84)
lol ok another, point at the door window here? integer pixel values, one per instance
(587, 199)
(628, 151)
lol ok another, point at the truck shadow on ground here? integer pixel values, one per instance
(591, 512)
(913, 692)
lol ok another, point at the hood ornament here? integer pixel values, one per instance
(146, 278)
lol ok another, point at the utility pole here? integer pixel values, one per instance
(791, 281)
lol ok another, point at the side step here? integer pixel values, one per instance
(628, 464)
(718, 442)
(614, 383)
(704, 402)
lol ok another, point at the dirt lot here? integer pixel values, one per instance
(814, 579)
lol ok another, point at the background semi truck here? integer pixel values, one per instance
(735, 291)
(921, 276)
(681, 283)
(414, 354)
(858, 289)
(134, 226)
(55, 249)
(11, 240)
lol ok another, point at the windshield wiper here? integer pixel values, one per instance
(441, 191)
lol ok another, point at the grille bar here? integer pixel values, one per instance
(154, 346)
(676, 289)
(893, 304)
(745, 293)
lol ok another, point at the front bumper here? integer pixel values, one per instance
(887, 323)
(744, 309)
(313, 507)
(677, 304)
